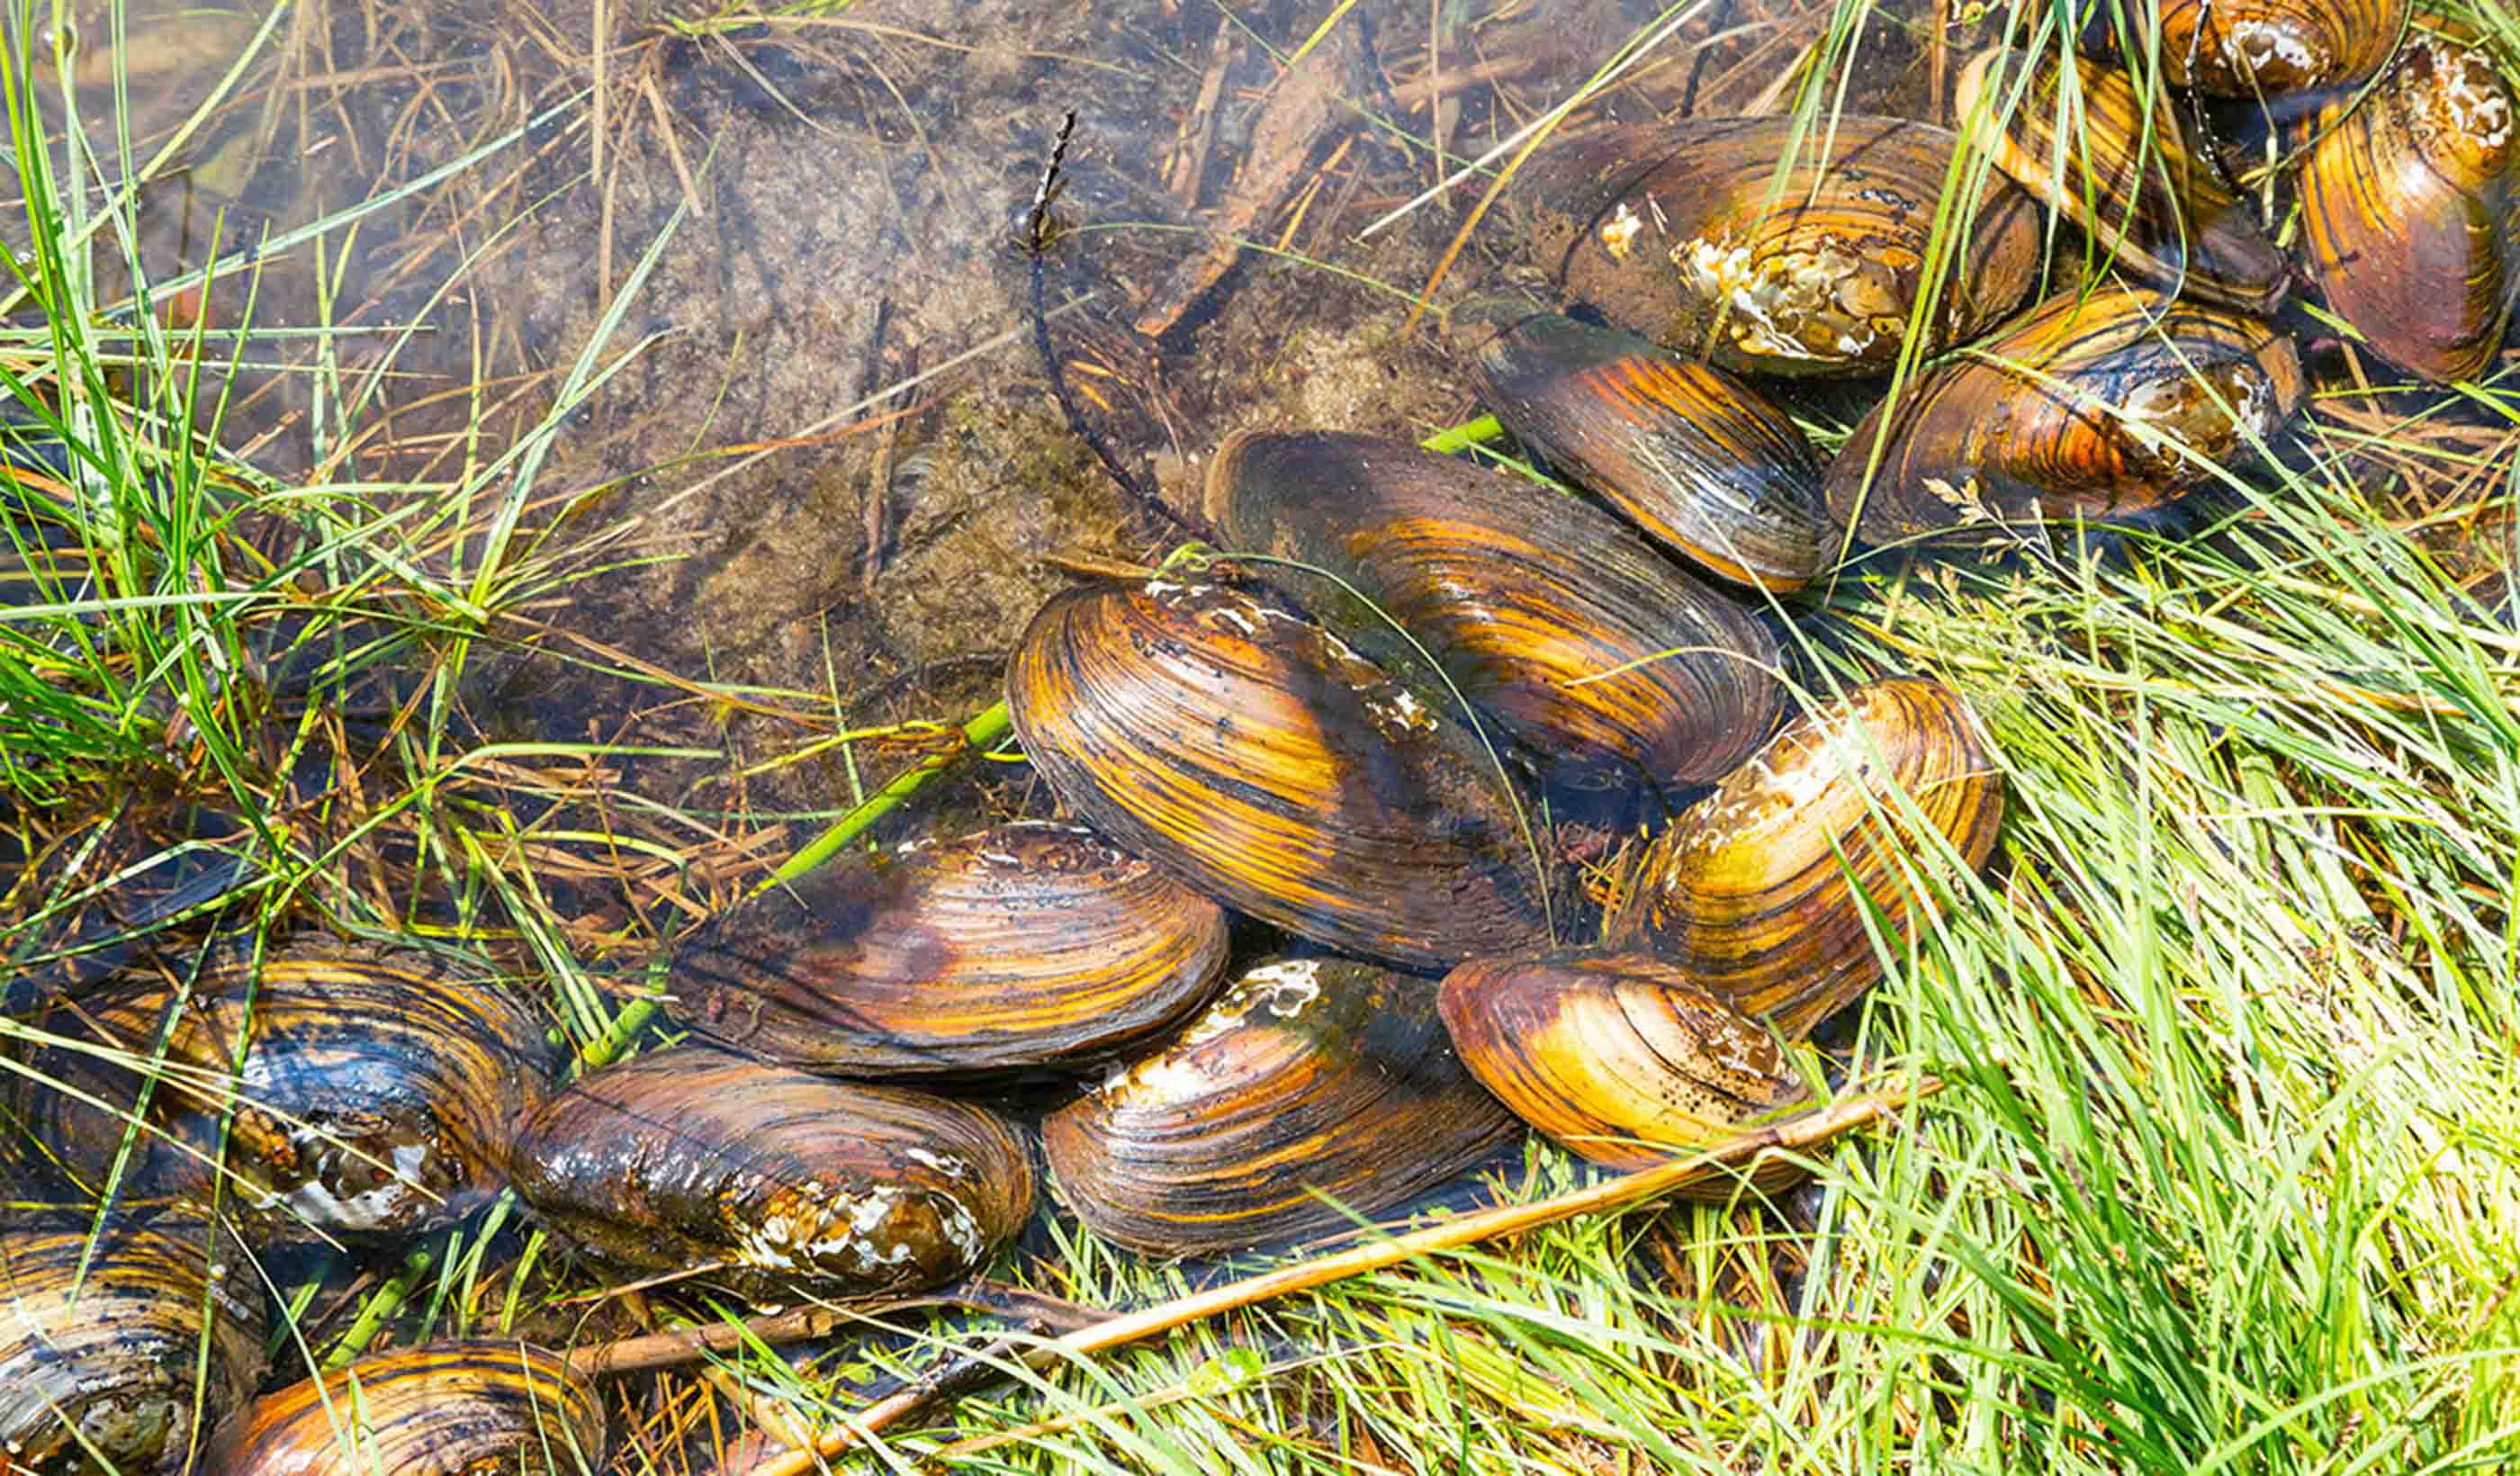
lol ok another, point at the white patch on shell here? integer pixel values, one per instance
(1773, 304)
(2473, 92)
(946, 1164)
(2252, 46)
(849, 1238)
(373, 1209)
(1619, 233)
(1285, 989)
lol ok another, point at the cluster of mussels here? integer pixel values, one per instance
(1351, 770)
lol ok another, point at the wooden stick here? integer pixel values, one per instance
(1806, 1132)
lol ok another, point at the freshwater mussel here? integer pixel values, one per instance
(1761, 892)
(1615, 668)
(2249, 48)
(488, 1408)
(1698, 234)
(765, 1180)
(2103, 404)
(1308, 1078)
(1027, 945)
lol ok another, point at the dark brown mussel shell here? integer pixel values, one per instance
(1758, 892)
(2128, 177)
(106, 1336)
(437, 1409)
(1027, 945)
(773, 1178)
(1226, 737)
(1684, 232)
(2411, 210)
(2103, 406)
(2251, 48)
(1520, 593)
(1697, 458)
(1307, 1077)
(375, 1096)
(1619, 1057)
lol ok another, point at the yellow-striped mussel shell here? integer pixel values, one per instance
(1256, 757)
(2411, 210)
(772, 1179)
(2103, 406)
(1697, 458)
(128, 1340)
(1758, 892)
(488, 1408)
(2251, 48)
(1614, 668)
(1694, 235)
(1027, 945)
(1307, 1077)
(2126, 174)
(359, 1091)
(1619, 1057)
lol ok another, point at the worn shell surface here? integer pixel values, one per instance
(2126, 175)
(2254, 48)
(470, 1408)
(1618, 1057)
(2101, 406)
(1746, 892)
(1520, 593)
(1686, 233)
(1697, 458)
(692, 1158)
(375, 1097)
(1027, 945)
(1308, 1077)
(2411, 210)
(1256, 757)
(103, 1336)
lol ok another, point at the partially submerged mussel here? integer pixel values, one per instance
(1255, 756)
(1027, 945)
(1621, 1057)
(437, 1409)
(767, 1179)
(1307, 1078)
(1761, 892)
(1614, 668)
(2250, 48)
(2411, 210)
(1694, 456)
(1698, 236)
(2101, 406)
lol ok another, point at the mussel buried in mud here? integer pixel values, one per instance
(1308, 1077)
(1619, 1057)
(1759, 892)
(2411, 210)
(1686, 233)
(1697, 459)
(122, 1339)
(1614, 668)
(2126, 174)
(1027, 945)
(2250, 48)
(374, 1095)
(2103, 406)
(437, 1409)
(1254, 756)
(767, 1179)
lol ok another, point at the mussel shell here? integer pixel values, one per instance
(375, 1096)
(437, 1409)
(1520, 593)
(2254, 48)
(1308, 1077)
(2411, 210)
(105, 1333)
(2101, 406)
(2138, 187)
(1027, 945)
(777, 1178)
(1697, 458)
(1619, 1057)
(1248, 753)
(1757, 893)
(1684, 232)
